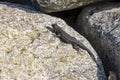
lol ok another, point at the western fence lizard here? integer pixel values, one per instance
(69, 39)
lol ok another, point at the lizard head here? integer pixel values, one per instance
(55, 28)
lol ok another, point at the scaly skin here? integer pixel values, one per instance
(69, 39)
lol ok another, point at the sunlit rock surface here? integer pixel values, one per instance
(30, 51)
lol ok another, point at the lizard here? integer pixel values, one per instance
(72, 40)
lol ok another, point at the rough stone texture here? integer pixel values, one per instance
(101, 25)
(29, 51)
(55, 5)
(60, 5)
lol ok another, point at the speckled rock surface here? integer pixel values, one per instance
(101, 25)
(49, 6)
(60, 5)
(29, 51)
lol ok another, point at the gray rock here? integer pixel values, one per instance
(29, 51)
(61, 5)
(18, 1)
(101, 25)
(49, 6)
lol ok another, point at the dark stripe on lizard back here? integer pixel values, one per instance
(72, 40)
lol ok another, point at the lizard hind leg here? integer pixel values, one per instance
(76, 47)
(56, 35)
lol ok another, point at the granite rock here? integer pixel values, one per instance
(60, 5)
(49, 6)
(100, 24)
(30, 51)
